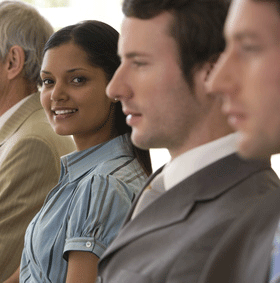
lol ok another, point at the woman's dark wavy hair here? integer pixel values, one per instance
(197, 28)
(100, 42)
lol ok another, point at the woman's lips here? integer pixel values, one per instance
(60, 114)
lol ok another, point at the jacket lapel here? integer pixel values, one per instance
(17, 119)
(205, 185)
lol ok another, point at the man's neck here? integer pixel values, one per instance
(212, 127)
(197, 140)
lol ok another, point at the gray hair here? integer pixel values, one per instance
(22, 25)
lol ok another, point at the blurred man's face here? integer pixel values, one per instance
(248, 76)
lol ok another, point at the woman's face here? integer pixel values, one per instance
(73, 96)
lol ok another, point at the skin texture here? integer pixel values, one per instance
(74, 84)
(248, 76)
(150, 83)
(82, 267)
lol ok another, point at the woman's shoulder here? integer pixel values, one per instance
(123, 177)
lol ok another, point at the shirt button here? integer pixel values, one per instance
(88, 244)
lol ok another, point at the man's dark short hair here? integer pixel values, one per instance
(197, 27)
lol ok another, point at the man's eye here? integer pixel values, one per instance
(139, 63)
(250, 48)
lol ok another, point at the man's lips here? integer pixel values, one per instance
(132, 118)
(235, 114)
(235, 119)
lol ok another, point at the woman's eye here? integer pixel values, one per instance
(47, 81)
(79, 80)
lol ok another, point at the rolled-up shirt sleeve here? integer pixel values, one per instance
(96, 214)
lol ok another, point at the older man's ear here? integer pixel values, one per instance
(15, 61)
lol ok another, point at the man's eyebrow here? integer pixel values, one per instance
(131, 55)
(245, 34)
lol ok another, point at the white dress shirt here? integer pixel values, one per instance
(195, 159)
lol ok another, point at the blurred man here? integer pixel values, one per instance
(29, 149)
(248, 77)
(168, 49)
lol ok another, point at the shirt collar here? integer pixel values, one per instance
(78, 163)
(193, 160)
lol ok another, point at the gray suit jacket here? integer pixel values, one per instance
(29, 167)
(243, 255)
(172, 239)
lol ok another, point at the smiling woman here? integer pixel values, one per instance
(73, 108)
(84, 212)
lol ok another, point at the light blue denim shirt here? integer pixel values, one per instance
(84, 211)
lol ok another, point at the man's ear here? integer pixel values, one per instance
(15, 61)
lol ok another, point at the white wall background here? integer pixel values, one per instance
(108, 11)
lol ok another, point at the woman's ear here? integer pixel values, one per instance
(15, 61)
(203, 74)
(114, 100)
(208, 70)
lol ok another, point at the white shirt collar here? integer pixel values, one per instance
(5, 117)
(193, 160)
